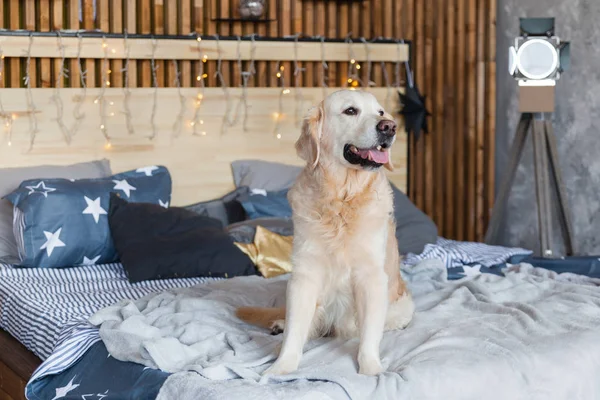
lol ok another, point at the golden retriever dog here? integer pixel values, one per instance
(346, 267)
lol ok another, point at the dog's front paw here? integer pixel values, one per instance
(282, 366)
(370, 366)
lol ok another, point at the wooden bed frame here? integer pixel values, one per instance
(190, 137)
(17, 364)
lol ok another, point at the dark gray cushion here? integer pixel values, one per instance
(158, 243)
(11, 178)
(414, 229)
(266, 175)
(226, 209)
(243, 232)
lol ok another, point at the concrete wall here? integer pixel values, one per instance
(576, 122)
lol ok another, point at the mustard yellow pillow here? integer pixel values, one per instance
(270, 252)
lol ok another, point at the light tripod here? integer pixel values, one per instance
(545, 160)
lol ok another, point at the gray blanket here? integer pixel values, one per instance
(530, 335)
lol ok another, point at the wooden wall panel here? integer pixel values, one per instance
(451, 174)
(451, 169)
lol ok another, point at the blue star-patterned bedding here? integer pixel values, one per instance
(72, 348)
(63, 223)
(475, 327)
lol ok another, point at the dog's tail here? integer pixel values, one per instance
(261, 316)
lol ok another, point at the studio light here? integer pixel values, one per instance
(536, 61)
(538, 56)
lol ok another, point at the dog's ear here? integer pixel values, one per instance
(388, 165)
(308, 145)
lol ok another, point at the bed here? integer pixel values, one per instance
(482, 324)
(96, 330)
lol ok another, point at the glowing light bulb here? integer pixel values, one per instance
(107, 83)
(355, 83)
(113, 51)
(199, 39)
(192, 123)
(203, 133)
(200, 96)
(96, 101)
(2, 56)
(10, 143)
(109, 71)
(278, 75)
(349, 80)
(276, 115)
(352, 61)
(201, 122)
(357, 66)
(279, 136)
(107, 146)
(198, 77)
(112, 114)
(281, 68)
(104, 45)
(111, 103)
(205, 75)
(286, 91)
(102, 127)
(204, 57)
(14, 116)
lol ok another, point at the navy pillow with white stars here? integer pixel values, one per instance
(63, 223)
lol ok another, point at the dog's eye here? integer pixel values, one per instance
(350, 111)
(381, 113)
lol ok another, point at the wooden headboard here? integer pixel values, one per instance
(195, 132)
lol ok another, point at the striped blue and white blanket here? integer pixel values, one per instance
(47, 309)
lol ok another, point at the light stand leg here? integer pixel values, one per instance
(515, 156)
(541, 185)
(564, 216)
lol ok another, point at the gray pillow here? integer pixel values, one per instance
(11, 178)
(266, 175)
(243, 232)
(414, 229)
(226, 209)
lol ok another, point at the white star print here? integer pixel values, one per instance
(90, 261)
(63, 391)
(93, 208)
(261, 192)
(471, 271)
(52, 241)
(147, 170)
(124, 186)
(99, 396)
(42, 189)
(165, 204)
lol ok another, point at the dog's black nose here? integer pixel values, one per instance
(386, 127)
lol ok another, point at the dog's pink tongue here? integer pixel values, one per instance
(380, 157)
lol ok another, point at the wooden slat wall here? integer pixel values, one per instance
(451, 169)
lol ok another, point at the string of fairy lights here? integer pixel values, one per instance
(7, 118)
(78, 116)
(197, 122)
(236, 109)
